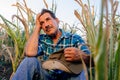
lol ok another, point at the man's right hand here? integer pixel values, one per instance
(37, 24)
(32, 44)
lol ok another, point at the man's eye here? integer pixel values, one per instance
(41, 23)
(47, 19)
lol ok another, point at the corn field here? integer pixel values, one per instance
(102, 36)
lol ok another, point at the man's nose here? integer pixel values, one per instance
(46, 25)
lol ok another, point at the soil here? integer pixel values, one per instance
(5, 70)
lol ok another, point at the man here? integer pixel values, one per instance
(45, 44)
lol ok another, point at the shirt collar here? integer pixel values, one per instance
(64, 34)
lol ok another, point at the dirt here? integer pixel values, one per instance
(5, 70)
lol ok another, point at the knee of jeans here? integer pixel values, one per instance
(31, 60)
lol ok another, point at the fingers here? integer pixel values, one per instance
(38, 21)
(38, 15)
(70, 54)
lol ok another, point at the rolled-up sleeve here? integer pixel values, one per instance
(81, 44)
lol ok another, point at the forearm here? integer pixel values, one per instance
(32, 44)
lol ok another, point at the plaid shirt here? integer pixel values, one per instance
(47, 47)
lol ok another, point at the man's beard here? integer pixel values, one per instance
(53, 35)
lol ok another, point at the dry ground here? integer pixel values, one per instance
(5, 70)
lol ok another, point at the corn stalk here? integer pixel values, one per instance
(53, 7)
(103, 39)
(17, 32)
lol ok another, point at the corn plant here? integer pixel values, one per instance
(103, 38)
(19, 31)
(53, 7)
(5, 39)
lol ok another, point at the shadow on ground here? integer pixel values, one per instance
(5, 70)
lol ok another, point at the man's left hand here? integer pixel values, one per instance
(74, 54)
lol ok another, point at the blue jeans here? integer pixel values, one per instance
(31, 67)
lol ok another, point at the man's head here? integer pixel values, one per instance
(49, 22)
(48, 11)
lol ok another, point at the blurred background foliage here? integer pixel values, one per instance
(102, 36)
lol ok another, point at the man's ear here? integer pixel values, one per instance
(57, 20)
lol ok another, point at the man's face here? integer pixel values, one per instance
(49, 24)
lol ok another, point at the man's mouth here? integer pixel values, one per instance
(48, 29)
